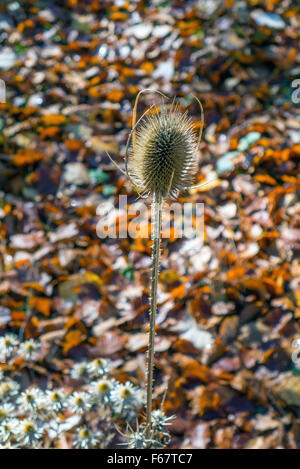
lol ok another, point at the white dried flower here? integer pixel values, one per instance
(98, 368)
(57, 400)
(29, 349)
(31, 399)
(8, 345)
(30, 432)
(80, 402)
(86, 438)
(8, 389)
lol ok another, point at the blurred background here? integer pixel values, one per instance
(229, 305)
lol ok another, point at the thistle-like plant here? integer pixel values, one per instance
(161, 160)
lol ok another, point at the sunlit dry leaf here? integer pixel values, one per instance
(28, 241)
(53, 119)
(43, 305)
(110, 343)
(26, 157)
(72, 339)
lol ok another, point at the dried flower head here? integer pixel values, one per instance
(80, 402)
(6, 411)
(86, 438)
(101, 390)
(31, 399)
(138, 440)
(57, 400)
(80, 370)
(98, 367)
(9, 430)
(8, 344)
(30, 432)
(162, 151)
(103, 386)
(8, 389)
(29, 349)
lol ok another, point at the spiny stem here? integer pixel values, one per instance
(156, 230)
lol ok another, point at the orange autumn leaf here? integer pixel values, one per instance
(72, 3)
(274, 286)
(253, 284)
(26, 157)
(42, 305)
(18, 362)
(24, 112)
(191, 25)
(179, 292)
(128, 72)
(72, 339)
(225, 376)
(73, 144)
(184, 346)
(236, 272)
(75, 322)
(265, 178)
(119, 16)
(31, 328)
(53, 119)
(133, 89)
(296, 149)
(205, 289)
(192, 369)
(25, 24)
(4, 287)
(95, 81)
(208, 400)
(147, 67)
(7, 209)
(115, 95)
(290, 179)
(34, 286)
(265, 142)
(95, 92)
(21, 262)
(175, 396)
(267, 355)
(49, 132)
(31, 178)
(297, 297)
(17, 315)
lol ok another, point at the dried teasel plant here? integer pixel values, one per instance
(161, 160)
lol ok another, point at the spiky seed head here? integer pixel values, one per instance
(163, 152)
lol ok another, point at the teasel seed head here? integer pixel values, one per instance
(162, 152)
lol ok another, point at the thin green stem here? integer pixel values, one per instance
(156, 231)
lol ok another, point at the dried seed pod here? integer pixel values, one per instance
(162, 152)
